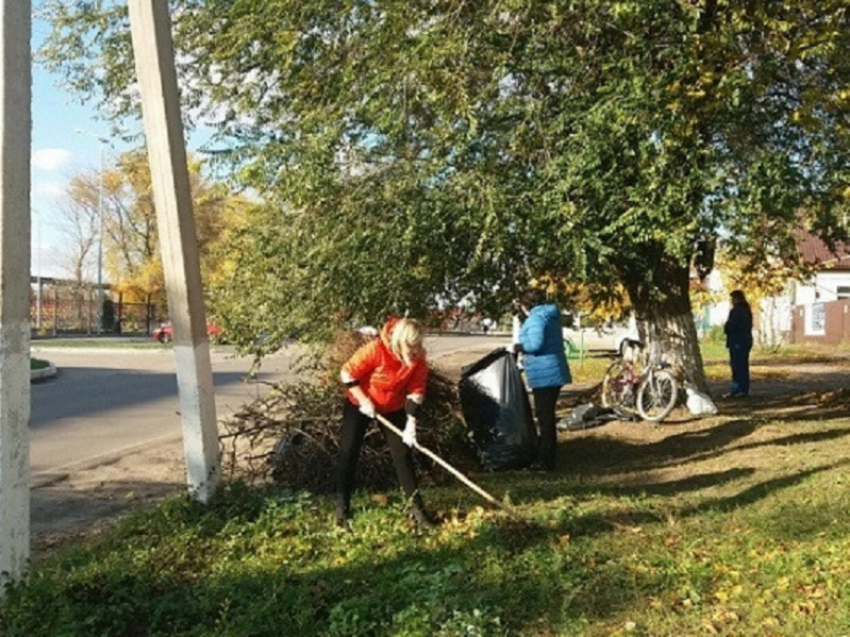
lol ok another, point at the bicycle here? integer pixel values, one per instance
(650, 390)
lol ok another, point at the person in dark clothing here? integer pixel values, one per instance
(739, 341)
(387, 376)
(542, 343)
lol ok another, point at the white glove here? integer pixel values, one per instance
(367, 408)
(408, 436)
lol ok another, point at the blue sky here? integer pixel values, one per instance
(64, 143)
(58, 152)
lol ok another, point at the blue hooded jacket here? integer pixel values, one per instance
(542, 343)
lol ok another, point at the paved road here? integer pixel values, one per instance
(107, 401)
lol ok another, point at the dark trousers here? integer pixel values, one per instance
(739, 361)
(354, 425)
(545, 399)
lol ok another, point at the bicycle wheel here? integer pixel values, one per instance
(617, 387)
(657, 395)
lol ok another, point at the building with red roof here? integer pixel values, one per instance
(822, 305)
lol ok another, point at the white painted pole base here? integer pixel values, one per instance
(197, 409)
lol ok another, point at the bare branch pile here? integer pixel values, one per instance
(291, 436)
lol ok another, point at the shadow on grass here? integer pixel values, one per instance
(480, 585)
(490, 582)
(784, 441)
(604, 455)
(600, 456)
(607, 467)
(759, 491)
(234, 581)
(634, 515)
(786, 410)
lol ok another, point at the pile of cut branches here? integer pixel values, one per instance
(291, 436)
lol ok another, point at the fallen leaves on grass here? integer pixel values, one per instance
(832, 398)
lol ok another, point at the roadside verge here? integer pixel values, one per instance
(44, 372)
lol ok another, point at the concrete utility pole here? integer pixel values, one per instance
(150, 26)
(15, 138)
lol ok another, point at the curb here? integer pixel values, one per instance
(44, 372)
(55, 475)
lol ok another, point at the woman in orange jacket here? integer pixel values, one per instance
(387, 376)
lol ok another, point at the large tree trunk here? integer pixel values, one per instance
(665, 320)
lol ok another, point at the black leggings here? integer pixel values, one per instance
(354, 425)
(545, 400)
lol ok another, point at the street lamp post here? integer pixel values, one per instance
(100, 240)
(38, 301)
(103, 142)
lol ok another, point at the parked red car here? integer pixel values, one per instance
(165, 334)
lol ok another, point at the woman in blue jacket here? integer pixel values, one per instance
(739, 341)
(542, 343)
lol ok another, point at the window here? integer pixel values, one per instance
(843, 291)
(816, 323)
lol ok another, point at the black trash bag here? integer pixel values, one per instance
(497, 411)
(591, 415)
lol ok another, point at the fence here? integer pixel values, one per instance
(827, 322)
(56, 311)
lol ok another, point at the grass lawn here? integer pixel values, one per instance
(733, 525)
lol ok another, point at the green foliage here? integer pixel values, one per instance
(411, 153)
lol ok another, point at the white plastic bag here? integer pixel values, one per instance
(698, 403)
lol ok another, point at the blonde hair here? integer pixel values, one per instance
(407, 336)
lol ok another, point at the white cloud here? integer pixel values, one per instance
(50, 158)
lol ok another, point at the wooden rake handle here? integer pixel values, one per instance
(457, 474)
